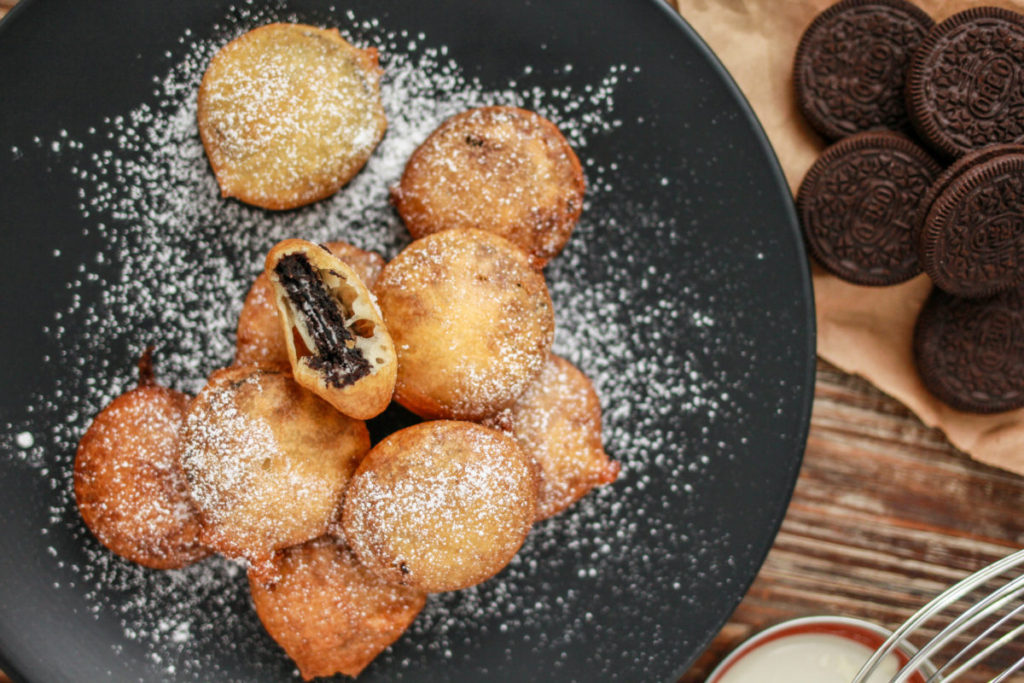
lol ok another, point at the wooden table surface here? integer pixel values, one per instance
(885, 515)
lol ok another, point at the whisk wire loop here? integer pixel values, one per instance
(980, 610)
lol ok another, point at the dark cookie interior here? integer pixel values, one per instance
(858, 206)
(336, 355)
(970, 353)
(964, 84)
(851, 66)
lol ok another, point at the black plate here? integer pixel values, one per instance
(685, 293)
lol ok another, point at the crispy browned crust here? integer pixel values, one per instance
(558, 421)
(471, 320)
(329, 614)
(238, 130)
(366, 397)
(267, 461)
(129, 486)
(441, 506)
(260, 339)
(502, 169)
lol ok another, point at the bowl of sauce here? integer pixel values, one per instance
(813, 650)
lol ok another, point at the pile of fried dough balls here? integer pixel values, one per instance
(272, 462)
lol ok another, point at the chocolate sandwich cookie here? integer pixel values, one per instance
(964, 81)
(972, 241)
(851, 65)
(858, 204)
(970, 353)
(964, 163)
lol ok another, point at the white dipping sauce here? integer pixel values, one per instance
(807, 658)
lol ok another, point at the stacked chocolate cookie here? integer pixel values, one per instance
(901, 97)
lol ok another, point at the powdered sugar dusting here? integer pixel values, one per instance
(557, 420)
(224, 450)
(174, 265)
(267, 462)
(129, 486)
(471, 321)
(288, 114)
(441, 505)
(496, 168)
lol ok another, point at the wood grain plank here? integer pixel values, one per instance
(885, 515)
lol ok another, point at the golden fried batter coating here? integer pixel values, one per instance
(338, 345)
(472, 323)
(130, 487)
(289, 113)
(328, 613)
(441, 505)
(501, 169)
(267, 461)
(260, 339)
(557, 420)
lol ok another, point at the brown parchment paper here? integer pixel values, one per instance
(863, 330)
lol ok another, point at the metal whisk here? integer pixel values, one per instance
(979, 616)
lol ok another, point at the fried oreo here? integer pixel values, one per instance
(267, 461)
(858, 206)
(441, 505)
(964, 81)
(501, 169)
(129, 485)
(328, 613)
(472, 323)
(289, 113)
(338, 345)
(851, 66)
(260, 339)
(558, 422)
(972, 241)
(970, 352)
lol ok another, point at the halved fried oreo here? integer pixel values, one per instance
(259, 339)
(338, 345)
